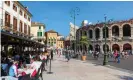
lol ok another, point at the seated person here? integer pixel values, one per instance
(13, 69)
(4, 65)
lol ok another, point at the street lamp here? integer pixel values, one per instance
(74, 12)
(105, 51)
(105, 30)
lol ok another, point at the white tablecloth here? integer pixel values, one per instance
(37, 65)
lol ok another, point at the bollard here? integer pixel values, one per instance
(50, 68)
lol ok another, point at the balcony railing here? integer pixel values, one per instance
(9, 28)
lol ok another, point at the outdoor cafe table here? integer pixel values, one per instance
(30, 71)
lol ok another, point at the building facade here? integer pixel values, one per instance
(54, 40)
(15, 17)
(38, 30)
(72, 34)
(67, 43)
(60, 41)
(119, 36)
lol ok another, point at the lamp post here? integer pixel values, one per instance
(105, 51)
(74, 12)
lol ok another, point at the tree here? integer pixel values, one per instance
(84, 40)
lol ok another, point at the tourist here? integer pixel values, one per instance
(67, 56)
(118, 58)
(115, 55)
(13, 69)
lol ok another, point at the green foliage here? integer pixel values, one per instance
(84, 40)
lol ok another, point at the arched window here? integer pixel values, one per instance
(97, 48)
(97, 33)
(85, 34)
(115, 31)
(127, 30)
(127, 47)
(115, 47)
(90, 47)
(90, 34)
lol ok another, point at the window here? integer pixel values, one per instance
(28, 18)
(39, 34)
(7, 2)
(21, 25)
(14, 7)
(39, 27)
(25, 28)
(25, 16)
(7, 19)
(20, 12)
(14, 23)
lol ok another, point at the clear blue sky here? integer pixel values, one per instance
(56, 15)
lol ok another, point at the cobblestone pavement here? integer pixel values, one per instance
(82, 70)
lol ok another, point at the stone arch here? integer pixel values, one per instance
(115, 47)
(115, 30)
(106, 47)
(97, 47)
(90, 33)
(90, 47)
(127, 46)
(127, 30)
(85, 33)
(107, 32)
(97, 33)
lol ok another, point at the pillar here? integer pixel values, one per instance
(101, 34)
(121, 32)
(93, 31)
(132, 31)
(110, 32)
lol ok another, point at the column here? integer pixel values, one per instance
(132, 31)
(101, 48)
(93, 31)
(110, 32)
(87, 34)
(101, 34)
(120, 32)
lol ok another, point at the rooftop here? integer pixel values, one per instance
(51, 31)
(37, 24)
(24, 8)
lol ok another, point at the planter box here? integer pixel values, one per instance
(83, 58)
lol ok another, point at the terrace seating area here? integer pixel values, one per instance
(18, 48)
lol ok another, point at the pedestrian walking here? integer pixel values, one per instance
(118, 58)
(67, 56)
(115, 55)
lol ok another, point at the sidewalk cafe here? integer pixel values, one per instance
(20, 51)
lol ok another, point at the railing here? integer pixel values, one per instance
(14, 31)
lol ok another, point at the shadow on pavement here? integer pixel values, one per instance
(125, 77)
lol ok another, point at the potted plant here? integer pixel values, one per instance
(84, 41)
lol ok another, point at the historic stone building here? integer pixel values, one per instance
(119, 36)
